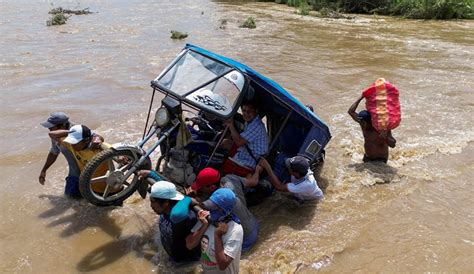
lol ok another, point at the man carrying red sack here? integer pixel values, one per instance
(375, 143)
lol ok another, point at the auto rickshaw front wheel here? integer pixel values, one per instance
(103, 181)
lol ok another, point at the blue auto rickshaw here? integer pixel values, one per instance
(212, 88)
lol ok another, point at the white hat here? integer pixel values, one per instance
(77, 133)
(236, 78)
(165, 190)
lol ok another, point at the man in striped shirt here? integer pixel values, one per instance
(250, 143)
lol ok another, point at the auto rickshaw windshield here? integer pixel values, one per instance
(203, 82)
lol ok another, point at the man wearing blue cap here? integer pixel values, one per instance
(221, 242)
(59, 126)
(60, 121)
(163, 198)
(303, 185)
(375, 144)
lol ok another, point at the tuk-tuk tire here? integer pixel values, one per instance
(90, 168)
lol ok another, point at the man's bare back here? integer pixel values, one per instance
(375, 143)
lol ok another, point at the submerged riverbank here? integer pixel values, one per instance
(419, 219)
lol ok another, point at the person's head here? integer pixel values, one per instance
(163, 197)
(364, 116)
(207, 181)
(79, 137)
(56, 120)
(298, 166)
(220, 204)
(249, 110)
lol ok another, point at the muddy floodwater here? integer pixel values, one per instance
(414, 215)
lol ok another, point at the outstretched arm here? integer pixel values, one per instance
(57, 134)
(49, 161)
(277, 184)
(352, 110)
(252, 180)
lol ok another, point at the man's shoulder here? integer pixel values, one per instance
(236, 228)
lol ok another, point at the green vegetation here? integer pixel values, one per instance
(66, 11)
(303, 8)
(417, 9)
(329, 13)
(435, 9)
(249, 23)
(57, 19)
(178, 35)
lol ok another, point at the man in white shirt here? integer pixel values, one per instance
(221, 242)
(303, 185)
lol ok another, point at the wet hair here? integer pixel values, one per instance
(251, 103)
(65, 125)
(162, 201)
(310, 107)
(364, 116)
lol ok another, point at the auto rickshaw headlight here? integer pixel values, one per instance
(162, 117)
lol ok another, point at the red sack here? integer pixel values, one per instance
(381, 101)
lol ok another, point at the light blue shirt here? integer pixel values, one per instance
(56, 148)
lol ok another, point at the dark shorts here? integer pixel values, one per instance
(368, 159)
(72, 187)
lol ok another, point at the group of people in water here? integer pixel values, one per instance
(210, 221)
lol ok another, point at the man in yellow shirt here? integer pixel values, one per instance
(79, 141)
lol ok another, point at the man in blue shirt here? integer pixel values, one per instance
(251, 143)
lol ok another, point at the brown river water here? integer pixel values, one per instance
(414, 215)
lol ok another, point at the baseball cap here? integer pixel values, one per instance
(54, 119)
(77, 133)
(165, 190)
(298, 164)
(223, 198)
(364, 115)
(205, 177)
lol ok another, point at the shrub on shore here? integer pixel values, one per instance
(417, 9)
(249, 23)
(57, 19)
(303, 8)
(435, 9)
(178, 35)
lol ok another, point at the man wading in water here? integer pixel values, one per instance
(57, 122)
(375, 143)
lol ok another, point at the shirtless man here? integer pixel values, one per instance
(375, 143)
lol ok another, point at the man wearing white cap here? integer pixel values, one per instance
(163, 198)
(79, 141)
